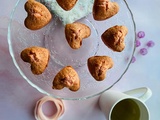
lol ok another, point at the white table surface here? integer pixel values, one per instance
(18, 98)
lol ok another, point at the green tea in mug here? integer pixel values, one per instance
(126, 109)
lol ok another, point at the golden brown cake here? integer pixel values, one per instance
(38, 57)
(114, 37)
(98, 66)
(67, 77)
(104, 9)
(38, 15)
(75, 33)
(66, 4)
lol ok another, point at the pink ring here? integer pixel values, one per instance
(39, 115)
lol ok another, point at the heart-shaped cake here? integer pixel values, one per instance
(38, 57)
(67, 77)
(66, 4)
(98, 66)
(114, 37)
(38, 15)
(75, 33)
(104, 9)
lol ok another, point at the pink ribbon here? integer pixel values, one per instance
(38, 112)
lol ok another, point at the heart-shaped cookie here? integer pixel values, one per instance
(38, 57)
(66, 4)
(114, 37)
(104, 9)
(98, 66)
(38, 15)
(75, 33)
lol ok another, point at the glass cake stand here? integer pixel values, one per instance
(52, 37)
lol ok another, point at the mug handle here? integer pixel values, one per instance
(144, 93)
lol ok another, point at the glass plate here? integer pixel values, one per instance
(52, 37)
